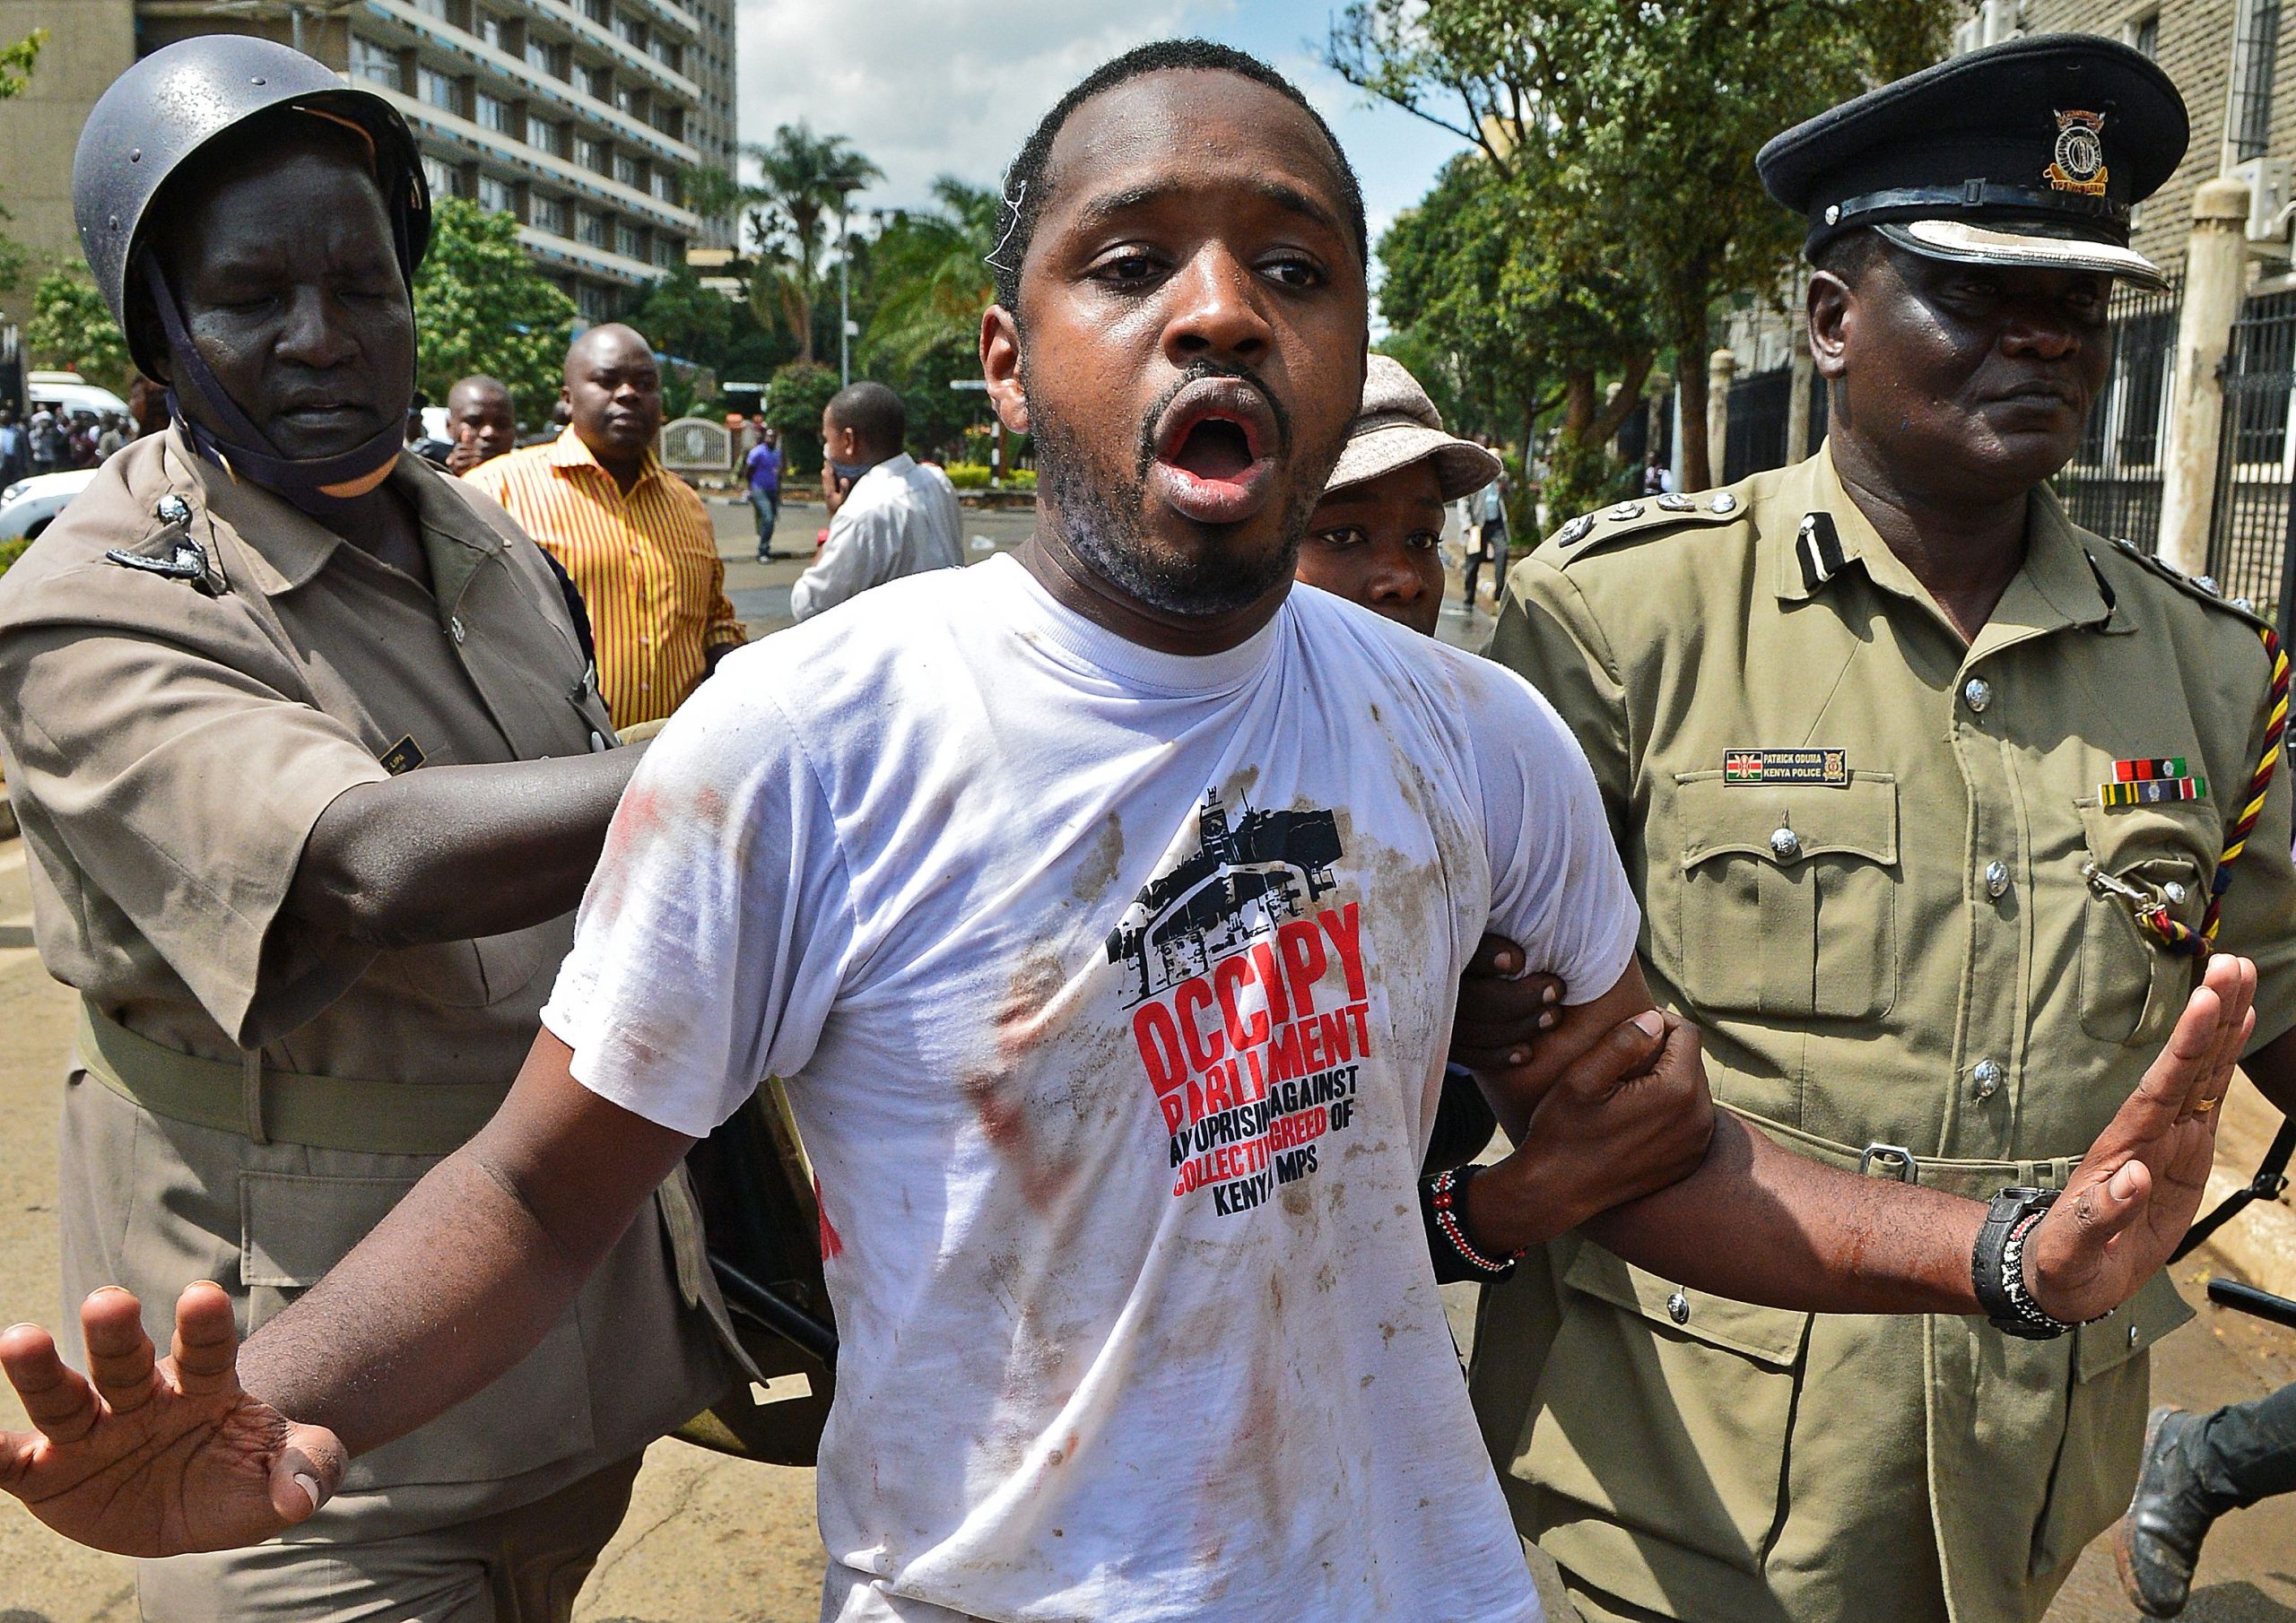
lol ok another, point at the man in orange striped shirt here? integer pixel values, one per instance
(634, 537)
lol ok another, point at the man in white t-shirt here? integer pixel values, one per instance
(890, 515)
(1104, 909)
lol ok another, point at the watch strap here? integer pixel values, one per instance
(1997, 1265)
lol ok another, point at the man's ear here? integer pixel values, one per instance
(1830, 314)
(1000, 364)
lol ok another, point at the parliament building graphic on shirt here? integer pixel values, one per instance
(1250, 1040)
(1241, 883)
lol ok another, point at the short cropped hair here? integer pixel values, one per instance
(874, 413)
(1850, 255)
(1025, 182)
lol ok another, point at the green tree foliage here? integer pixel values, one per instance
(793, 404)
(15, 73)
(1508, 322)
(71, 329)
(925, 288)
(1627, 133)
(480, 306)
(788, 218)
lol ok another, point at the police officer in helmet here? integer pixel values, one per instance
(313, 770)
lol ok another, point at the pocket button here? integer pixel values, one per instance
(1977, 693)
(1986, 1075)
(1678, 1308)
(1785, 845)
(1996, 879)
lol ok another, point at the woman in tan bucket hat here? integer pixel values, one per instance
(1373, 537)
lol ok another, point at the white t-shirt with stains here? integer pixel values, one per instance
(1112, 987)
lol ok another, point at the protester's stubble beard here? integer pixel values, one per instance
(1103, 516)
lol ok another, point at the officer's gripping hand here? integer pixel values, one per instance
(157, 1457)
(2136, 1192)
(1503, 1012)
(1626, 1119)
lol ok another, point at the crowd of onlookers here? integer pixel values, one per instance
(56, 439)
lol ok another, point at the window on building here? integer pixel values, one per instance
(631, 28)
(597, 11)
(435, 8)
(667, 251)
(590, 227)
(496, 196)
(544, 58)
(487, 26)
(589, 153)
(595, 303)
(438, 89)
(594, 82)
(668, 53)
(2143, 35)
(626, 169)
(631, 100)
(491, 112)
(670, 120)
(2253, 50)
(628, 241)
(376, 64)
(664, 185)
(548, 215)
(440, 178)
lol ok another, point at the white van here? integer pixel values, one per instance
(66, 392)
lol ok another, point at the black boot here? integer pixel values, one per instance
(2157, 1544)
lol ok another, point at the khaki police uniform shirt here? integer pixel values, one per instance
(168, 745)
(1859, 846)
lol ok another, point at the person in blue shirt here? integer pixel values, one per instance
(763, 467)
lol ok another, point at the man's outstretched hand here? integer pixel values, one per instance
(2134, 1193)
(157, 1457)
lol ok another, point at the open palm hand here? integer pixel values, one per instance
(2135, 1192)
(145, 1456)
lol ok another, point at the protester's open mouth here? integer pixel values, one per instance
(1214, 460)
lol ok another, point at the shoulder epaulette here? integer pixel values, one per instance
(2197, 586)
(171, 550)
(1590, 532)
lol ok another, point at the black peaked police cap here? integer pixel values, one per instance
(2031, 152)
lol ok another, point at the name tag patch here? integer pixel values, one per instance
(404, 756)
(1801, 766)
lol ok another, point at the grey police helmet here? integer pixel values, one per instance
(156, 117)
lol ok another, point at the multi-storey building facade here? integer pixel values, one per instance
(2235, 62)
(584, 118)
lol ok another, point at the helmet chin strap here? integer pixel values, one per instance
(325, 487)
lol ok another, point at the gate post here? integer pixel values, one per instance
(1720, 369)
(2216, 265)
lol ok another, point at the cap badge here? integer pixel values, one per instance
(2079, 164)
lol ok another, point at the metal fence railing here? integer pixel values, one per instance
(2255, 523)
(1754, 438)
(2113, 483)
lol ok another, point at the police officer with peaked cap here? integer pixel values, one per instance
(313, 770)
(1935, 803)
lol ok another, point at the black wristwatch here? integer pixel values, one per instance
(1997, 1265)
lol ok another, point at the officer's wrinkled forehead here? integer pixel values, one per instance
(268, 140)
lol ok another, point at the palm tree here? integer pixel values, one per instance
(934, 271)
(802, 179)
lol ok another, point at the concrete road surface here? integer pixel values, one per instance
(715, 1540)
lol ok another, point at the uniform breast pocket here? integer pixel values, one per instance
(2145, 856)
(1788, 895)
(1668, 1409)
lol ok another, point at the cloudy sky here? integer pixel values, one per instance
(927, 87)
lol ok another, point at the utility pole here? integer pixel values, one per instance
(844, 294)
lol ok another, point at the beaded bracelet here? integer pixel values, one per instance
(1442, 1200)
